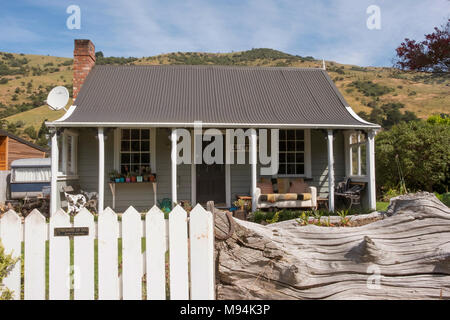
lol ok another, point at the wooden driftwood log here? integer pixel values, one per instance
(405, 255)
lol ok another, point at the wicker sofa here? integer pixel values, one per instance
(312, 203)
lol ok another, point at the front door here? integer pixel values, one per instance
(210, 183)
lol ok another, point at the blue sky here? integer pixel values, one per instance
(335, 30)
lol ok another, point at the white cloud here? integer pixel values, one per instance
(334, 30)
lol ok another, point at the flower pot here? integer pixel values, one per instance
(117, 180)
(152, 178)
(145, 178)
(128, 179)
(139, 178)
(133, 179)
(122, 179)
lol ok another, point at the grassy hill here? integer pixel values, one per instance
(26, 79)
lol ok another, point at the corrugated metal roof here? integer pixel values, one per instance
(31, 162)
(211, 94)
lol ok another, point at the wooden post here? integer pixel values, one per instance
(370, 165)
(112, 187)
(330, 171)
(101, 170)
(54, 174)
(253, 160)
(173, 138)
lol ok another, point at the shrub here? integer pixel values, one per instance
(391, 193)
(7, 262)
(371, 89)
(31, 132)
(443, 118)
(356, 68)
(67, 63)
(446, 199)
(423, 156)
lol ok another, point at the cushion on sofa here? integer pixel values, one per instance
(265, 186)
(283, 185)
(275, 197)
(299, 186)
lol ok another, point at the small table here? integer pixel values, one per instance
(322, 202)
(112, 187)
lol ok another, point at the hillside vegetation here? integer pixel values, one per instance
(25, 81)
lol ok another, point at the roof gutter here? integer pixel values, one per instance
(206, 124)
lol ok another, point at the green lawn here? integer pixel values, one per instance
(95, 267)
(382, 206)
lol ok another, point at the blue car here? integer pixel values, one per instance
(30, 178)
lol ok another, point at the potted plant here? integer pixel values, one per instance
(114, 176)
(121, 179)
(128, 177)
(140, 176)
(133, 177)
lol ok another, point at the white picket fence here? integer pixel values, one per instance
(191, 266)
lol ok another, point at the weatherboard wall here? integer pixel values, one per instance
(140, 195)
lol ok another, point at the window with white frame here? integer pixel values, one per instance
(67, 145)
(294, 152)
(357, 154)
(135, 151)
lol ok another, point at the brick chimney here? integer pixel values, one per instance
(83, 62)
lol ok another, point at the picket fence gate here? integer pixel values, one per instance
(191, 265)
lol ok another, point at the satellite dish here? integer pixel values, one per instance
(57, 98)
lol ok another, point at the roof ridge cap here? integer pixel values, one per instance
(205, 66)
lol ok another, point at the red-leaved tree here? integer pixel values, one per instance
(432, 54)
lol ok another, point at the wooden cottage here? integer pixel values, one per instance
(127, 121)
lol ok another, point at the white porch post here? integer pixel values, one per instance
(101, 170)
(54, 169)
(370, 165)
(330, 171)
(173, 157)
(253, 162)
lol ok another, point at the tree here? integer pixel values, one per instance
(42, 135)
(43, 130)
(432, 54)
(422, 152)
(31, 132)
(389, 114)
